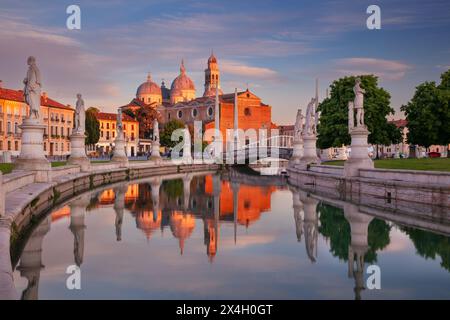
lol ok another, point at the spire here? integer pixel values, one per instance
(149, 77)
(182, 68)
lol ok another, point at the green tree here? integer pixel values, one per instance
(333, 126)
(166, 134)
(92, 126)
(428, 113)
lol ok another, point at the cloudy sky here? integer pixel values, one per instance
(276, 47)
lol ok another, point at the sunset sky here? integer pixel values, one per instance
(277, 47)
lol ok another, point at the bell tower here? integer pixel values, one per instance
(212, 77)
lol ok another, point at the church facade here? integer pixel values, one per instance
(181, 102)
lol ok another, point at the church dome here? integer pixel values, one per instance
(148, 87)
(182, 82)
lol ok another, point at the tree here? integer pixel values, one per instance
(146, 116)
(333, 126)
(92, 126)
(166, 134)
(428, 114)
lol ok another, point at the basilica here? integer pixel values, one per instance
(181, 102)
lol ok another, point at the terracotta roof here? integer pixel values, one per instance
(113, 116)
(136, 103)
(401, 123)
(17, 95)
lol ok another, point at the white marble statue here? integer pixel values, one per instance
(80, 115)
(310, 125)
(32, 90)
(359, 102)
(155, 130)
(119, 123)
(298, 127)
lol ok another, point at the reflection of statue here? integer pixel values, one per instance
(298, 128)
(79, 115)
(310, 125)
(359, 102)
(155, 130)
(32, 90)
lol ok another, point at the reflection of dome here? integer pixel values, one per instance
(182, 88)
(182, 226)
(146, 222)
(149, 91)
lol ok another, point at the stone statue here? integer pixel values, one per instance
(119, 123)
(155, 130)
(32, 90)
(298, 128)
(80, 115)
(310, 125)
(359, 102)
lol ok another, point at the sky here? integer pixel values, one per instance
(275, 48)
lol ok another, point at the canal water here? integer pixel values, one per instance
(198, 236)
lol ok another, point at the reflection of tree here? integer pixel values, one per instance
(336, 228)
(429, 245)
(173, 188)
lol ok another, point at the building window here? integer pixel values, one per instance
(168, 116)
(107, 125)
(16, 127)
(45, 146)
(101, 133)
(247, 112)
(124, 127)
(9, 128)
(113, 134)
(113, 125)
(132, 127)
(194, 113)
(210, 111)
(1, 144)
(16, 145)
(68, 131)
(180, 114)
(1, 126)
(107, 135)
(102, 125)
(9, 145)
(56, 147)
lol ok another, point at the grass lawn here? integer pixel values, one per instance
(432, 164)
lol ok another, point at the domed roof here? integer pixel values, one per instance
(182, 82)
(148, 87)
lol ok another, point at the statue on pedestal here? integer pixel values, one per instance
(155, 131)
(310, 125)
(359, 102)
(119, 123)
(80, 115)
(32, 90)
(298, 127)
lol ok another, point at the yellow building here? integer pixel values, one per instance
(108, 123)
(57, 117)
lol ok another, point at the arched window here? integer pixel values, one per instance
(210, 111)
(247, 112)
(180, 114)
(194, 113)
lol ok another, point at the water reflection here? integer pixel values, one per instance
(220, 205)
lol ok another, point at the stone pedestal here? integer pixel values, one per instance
(119, 155)
(359, 154)
(297, 153)
(78, 151)
(155, 156)
(32, 156)
(309, 152)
